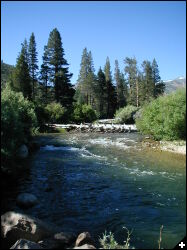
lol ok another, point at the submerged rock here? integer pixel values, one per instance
(25, 244)
(26, 200)
(22, 152)
(15, 226)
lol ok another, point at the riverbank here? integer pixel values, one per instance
(178, 147)
(174, 146)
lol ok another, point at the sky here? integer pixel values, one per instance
(116, 29)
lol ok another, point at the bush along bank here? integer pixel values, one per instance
(163, 121)
(18, 124)
(165, 117)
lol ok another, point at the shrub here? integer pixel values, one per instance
(165, 117)
(55, 112)
(108, 241)
(18, 121)
(126, 114)
(41, 114)
(84, 113)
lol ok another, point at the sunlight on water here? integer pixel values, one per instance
(106, 181)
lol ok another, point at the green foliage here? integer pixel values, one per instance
(121, 87)
(84, 113)
(58, 68)
(165, 117)
(6, 72)
(18, 121)
(158, 84)
(41, 114)
(33, 67)
(111, 97)
(86, 80)
(131, 70)
(108, 241)
(55, 112)
(21, 78)
(126, 115)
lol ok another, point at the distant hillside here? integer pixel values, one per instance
(6, 70)
(172, 85)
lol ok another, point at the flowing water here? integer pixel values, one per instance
(97, 182)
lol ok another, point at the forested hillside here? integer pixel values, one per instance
(6, 71)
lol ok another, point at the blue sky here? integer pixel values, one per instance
(115, 29)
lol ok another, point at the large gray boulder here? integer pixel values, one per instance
(22, 152)
(26, 200)
(84, 238)
(25, 244)
(15, 226)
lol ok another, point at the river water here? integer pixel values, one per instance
(96, 182)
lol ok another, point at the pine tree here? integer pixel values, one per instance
(59, 71)
(44, 77)
(110, 91)
(86, 80)
(158, 84)
(149, 87)
(21, 79)
(100, 91)
(26, 50)
(33, 67)
(120, 86)
(80, 94)
(131, 70)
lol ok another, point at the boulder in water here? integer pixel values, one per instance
(83, 238)
(26, 200)
(85, 246)
(25, 244)
(15, 226)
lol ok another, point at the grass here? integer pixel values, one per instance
(108, 241)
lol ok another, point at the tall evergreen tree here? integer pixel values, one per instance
(132, 72)
(26, 50)
(100, 91)
(110, 91)
(149, 87)
(120, 86)
(44, 77)
(159, 85)
(80, 94)
(59, 71)
(21, 79)
(86, 80)
(33, 67)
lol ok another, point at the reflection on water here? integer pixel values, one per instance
(105, 182)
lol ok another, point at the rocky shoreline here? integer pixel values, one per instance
(173, 147)
(21, 231)
(178, 147)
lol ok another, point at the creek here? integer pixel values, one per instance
(96, 182)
